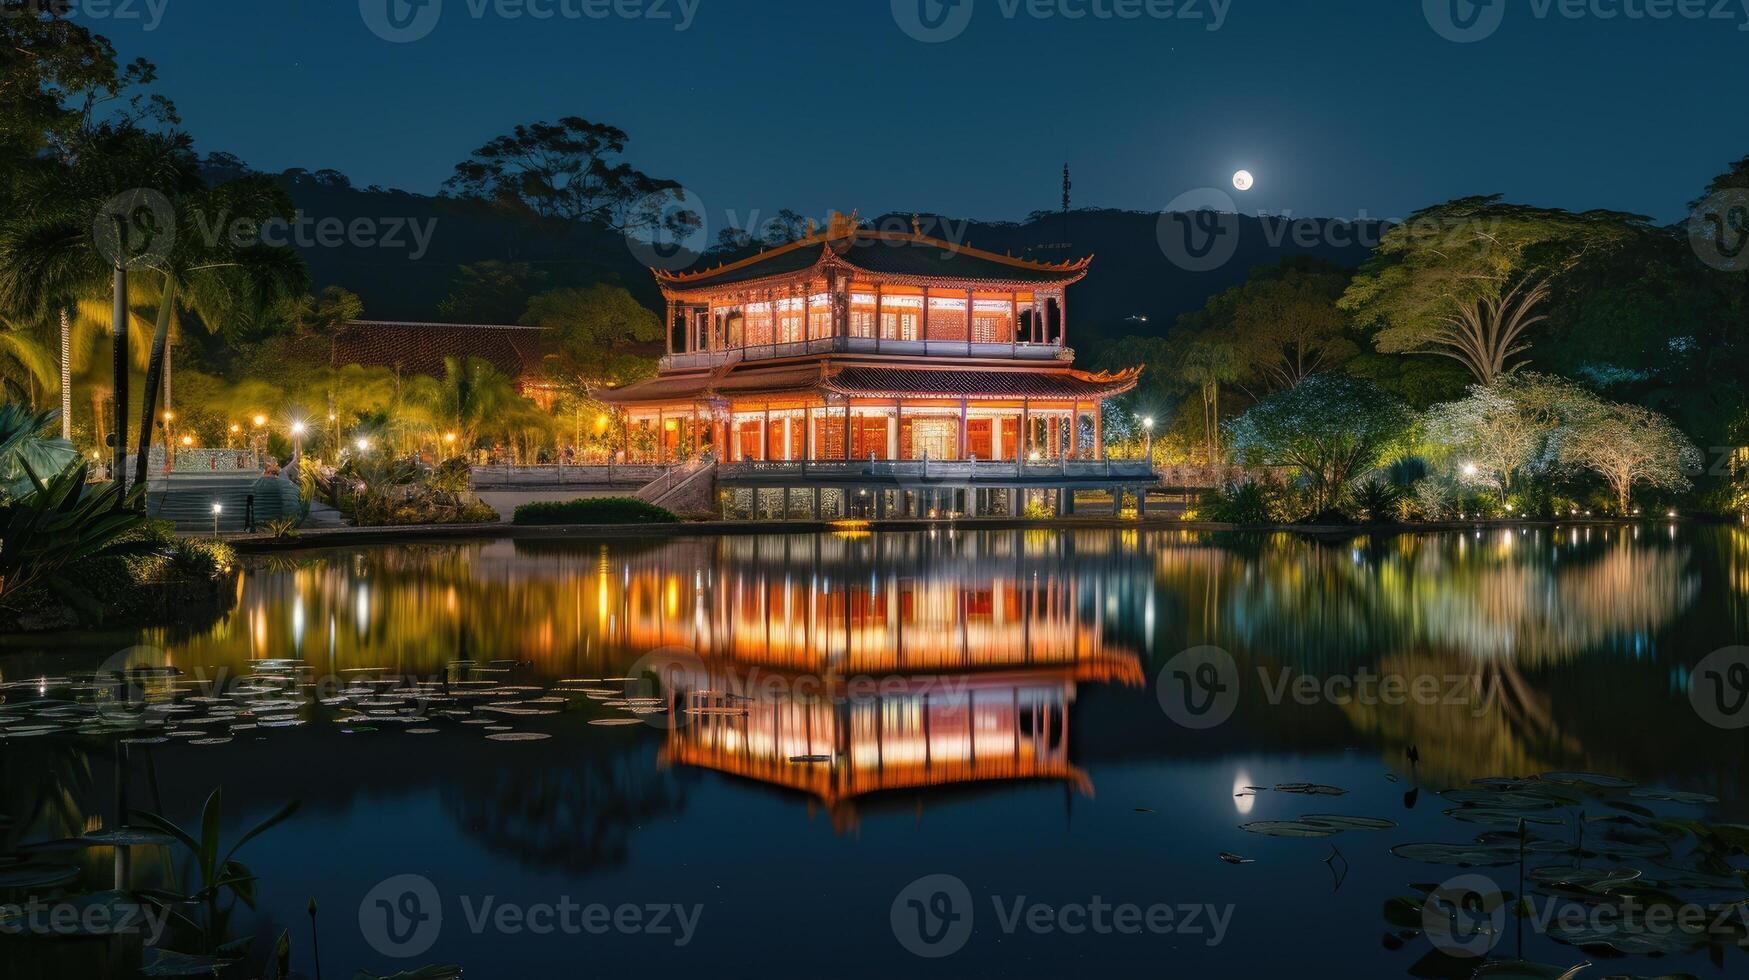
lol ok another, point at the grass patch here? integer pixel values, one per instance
(593, 510)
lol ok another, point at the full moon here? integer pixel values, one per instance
(1243, 180)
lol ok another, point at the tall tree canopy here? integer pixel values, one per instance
(572, 170)
(1468, 279)
(600, 337)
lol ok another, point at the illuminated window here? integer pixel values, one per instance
(862, 323)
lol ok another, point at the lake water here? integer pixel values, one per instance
(1007, 753)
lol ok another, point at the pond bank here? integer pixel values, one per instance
(349, 537)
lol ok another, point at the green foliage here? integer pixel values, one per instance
(221, 880)
(1466, 279)
(51, 531)
(1378, 500)
(593, 510)
(1331, 427)
(283, 529)
(25, 449)
(1244, 502)
(598, 337)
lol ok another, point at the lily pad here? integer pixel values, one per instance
(1288, 828)
(518, 736)
(1310, 789)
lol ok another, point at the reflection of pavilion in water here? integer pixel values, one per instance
(896, 662)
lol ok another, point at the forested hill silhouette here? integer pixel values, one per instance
(408, 264)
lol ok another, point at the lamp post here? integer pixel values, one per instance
(1148, 428)
(218, 509)
(297, 433)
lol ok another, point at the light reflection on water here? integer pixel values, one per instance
(1013, 691)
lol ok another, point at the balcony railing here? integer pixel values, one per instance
(950, 470)
(700, 360)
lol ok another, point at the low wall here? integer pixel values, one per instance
(505, 502)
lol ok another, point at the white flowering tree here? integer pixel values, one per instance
(1627, 446)
(1332, 427)
(1500, 433)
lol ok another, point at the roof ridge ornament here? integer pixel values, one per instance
(916, 225)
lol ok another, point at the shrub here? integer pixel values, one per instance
(1432, 500)
(1245, 502)
(1377, 501)
(593, 510)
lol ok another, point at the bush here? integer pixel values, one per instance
(1246, 502)
(1378, 501)
(593, 510)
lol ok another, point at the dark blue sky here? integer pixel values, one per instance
(1339, 107)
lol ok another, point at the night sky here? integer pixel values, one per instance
(1340, 108)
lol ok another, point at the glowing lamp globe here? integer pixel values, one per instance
(1243, 180)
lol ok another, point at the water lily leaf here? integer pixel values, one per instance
(1310, 789)
(36, 876)
(1338, 822)
(169, 963)
(810, 758)
(1526, 970)
(1673, 796)
(1288, 828)
(1597, 779)
(614, 722)
(518, 736)
(1231, 858)
(1588, 879)
(128, 837)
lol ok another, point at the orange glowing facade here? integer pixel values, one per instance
(857, 361)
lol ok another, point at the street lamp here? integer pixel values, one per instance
(1148, 427)
(363, 445)
(298, 429)
(1470, 470)
(218, 509)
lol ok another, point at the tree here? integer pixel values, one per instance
(1206, 363)
(1331, 427)
(570, 170)
(1502, 431)
(491, 292)
(1285, 323)
(220, 279)
(599, 337)
(1467, 279)
(325, 317)
(1627, 446)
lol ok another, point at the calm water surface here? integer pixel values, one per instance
(819, 721)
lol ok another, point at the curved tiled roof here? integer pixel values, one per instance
(867, 381)
(902, 255)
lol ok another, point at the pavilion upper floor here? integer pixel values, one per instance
(851, 290)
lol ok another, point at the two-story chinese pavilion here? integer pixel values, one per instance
(876, 373)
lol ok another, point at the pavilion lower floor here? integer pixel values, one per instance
(879, 503)
(933, 429)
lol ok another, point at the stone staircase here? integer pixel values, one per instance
(687, 489)
(188, 499)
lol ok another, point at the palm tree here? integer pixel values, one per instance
(60, 241)
(221, 281)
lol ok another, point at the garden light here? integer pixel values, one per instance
(260, 420)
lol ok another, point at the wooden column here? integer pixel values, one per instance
(923, 322)
(668, 330)
(1025, 448)
(847, 430)
(971, 317)
(880, 311)
(1098, 431)
(965, 430)
(661, 439)
(765, 434)
(1013, 324)
(1075, 431)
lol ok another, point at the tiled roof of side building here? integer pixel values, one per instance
(420, 348)
(903, 255)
